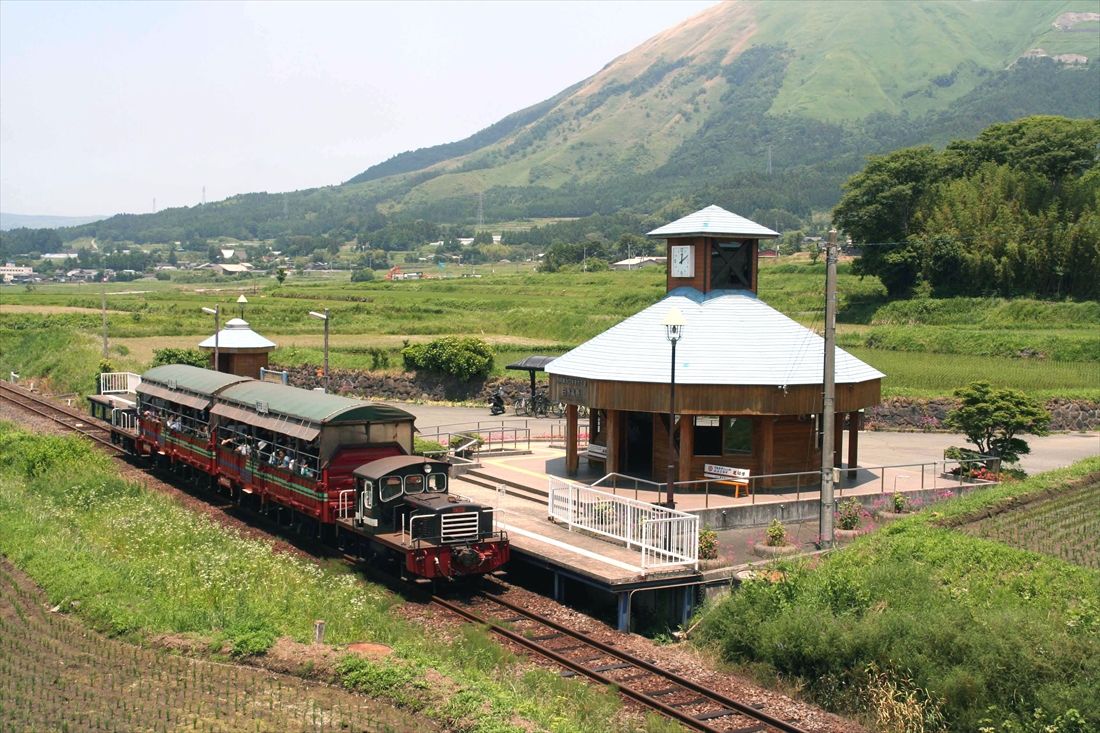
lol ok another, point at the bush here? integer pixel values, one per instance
(162, 275)
(708, 544)
(850, 514)
(899, 503)
(171, 355)
(776, 535)
(464, 358)
(362, 275)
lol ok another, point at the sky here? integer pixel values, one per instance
(105, 107)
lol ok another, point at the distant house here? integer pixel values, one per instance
(81, 275)
(637, 263)
(226, 268)
(227, 254)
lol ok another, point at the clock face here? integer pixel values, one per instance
(683, 261)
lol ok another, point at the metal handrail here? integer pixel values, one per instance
(342, 504)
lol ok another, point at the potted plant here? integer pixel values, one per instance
(849, 517)
(775, 542)
(898, 506)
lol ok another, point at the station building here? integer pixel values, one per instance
(748, 380)
(240, 350)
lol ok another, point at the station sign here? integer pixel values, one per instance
(726, 472)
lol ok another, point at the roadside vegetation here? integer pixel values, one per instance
(134, 564)
(927, 347)
(933, 613)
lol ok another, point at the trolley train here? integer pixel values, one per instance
(343, 465)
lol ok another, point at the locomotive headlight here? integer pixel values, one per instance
(427, 468)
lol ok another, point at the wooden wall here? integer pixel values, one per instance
(702, 245)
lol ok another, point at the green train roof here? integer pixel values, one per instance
(190, 378)
(315, 407)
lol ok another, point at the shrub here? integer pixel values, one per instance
(464, 358)
(170, 355)
(708, 544)
(850, 514)
(362, 275)
(899, 503)
(776, 535)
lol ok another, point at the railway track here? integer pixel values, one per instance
(68, 418)
(660, 690)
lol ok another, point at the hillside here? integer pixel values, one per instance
(751, 105)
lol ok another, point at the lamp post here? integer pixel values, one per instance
(674, 329)
(242, 302)
(324, 317)
(216, 311)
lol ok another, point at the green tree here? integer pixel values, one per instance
(280, 275)
(362, 275)
(992, 418)
(171, 355)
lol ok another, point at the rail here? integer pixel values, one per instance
(664, 536)
(557, 435)
(490, 441)
(118, 382)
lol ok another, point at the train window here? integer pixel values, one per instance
(368, 494)
(390, 488)
(437, 482)
(414, 484)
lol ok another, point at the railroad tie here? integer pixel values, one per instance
(609, 667)
(664, 691)
(568, 648)
(547, 637)
(689, 703)
(750, 729)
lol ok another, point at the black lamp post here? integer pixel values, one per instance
(674, 329)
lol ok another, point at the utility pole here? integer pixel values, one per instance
(829, 403)
(103, 304)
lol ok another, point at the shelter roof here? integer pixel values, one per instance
(713, 221)
(313, 407)
(731, 337)
(238, 335)
(191, 378)
(531, 363)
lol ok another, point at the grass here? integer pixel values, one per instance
(137, 564)
(975, 623)
(1043, 348)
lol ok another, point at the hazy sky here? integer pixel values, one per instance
(104, 106)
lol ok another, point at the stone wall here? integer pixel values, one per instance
(894, 413)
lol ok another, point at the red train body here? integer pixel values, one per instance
(345, 466)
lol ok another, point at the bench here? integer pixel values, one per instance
(737, 486)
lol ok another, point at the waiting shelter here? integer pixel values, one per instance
(748, 379)
(240, 350)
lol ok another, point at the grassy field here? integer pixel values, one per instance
(967, 626)
(1044, 348)
(134, 564)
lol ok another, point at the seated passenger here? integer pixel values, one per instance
(291, 465)
(306, 470)
(244, 449)
(284, 460)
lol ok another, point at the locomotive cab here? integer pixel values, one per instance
(383, 488)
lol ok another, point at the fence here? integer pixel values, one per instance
(557, 435)
(664, 536)
(118, 382)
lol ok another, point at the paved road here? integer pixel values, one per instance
(875, 448)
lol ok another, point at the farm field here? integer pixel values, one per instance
(57, 675)
(1047, 349)
(1065, 526)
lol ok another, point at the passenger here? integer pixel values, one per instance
(244, 449)
(307, 472)
(284, 460)
(291, 465)
(272, 459)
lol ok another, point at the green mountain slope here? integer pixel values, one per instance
(748, 104)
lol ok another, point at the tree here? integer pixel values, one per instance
(992, 418)
(362, 275)
(280, 275)
(171, 355)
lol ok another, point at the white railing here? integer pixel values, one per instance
(118, 382)
(124, 419)
(664, 536)
(344, 506)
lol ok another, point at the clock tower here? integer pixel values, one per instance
(713, 249)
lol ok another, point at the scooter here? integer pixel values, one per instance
(496, 403)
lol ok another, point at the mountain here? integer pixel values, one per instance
(756, 106)
(10, 221)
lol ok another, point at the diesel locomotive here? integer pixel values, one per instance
(345, 466)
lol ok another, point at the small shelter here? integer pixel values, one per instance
(748, 384)
(531, 364)
(241, 350)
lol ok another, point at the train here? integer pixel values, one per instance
(341, 465)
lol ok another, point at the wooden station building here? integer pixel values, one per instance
(241, 350)
(749, 380)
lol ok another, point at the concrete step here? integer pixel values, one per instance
(514, 488)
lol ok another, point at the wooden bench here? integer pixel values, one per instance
(737, 486)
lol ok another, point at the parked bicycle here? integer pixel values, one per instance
(538, 406)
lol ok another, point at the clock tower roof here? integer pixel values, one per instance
(713, 221)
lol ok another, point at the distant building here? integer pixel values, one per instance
(60, 256)
(637, 263)
(10, 272)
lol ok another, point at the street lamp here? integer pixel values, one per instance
(216, 311)
(324, 317)
(674, 329)
(896, 477)
(242, 302)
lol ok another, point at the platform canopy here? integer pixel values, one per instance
(713, 221)
(731, 337)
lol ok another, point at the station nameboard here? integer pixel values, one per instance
(715, 471)
(571, 389)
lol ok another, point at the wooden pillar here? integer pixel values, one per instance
(854, 420)
(838, 440)
(571, 459)
(767, 446)
(613, 429)
(687, 447)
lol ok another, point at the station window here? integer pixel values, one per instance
(737, 436)
(390, 488)
(708, 435)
